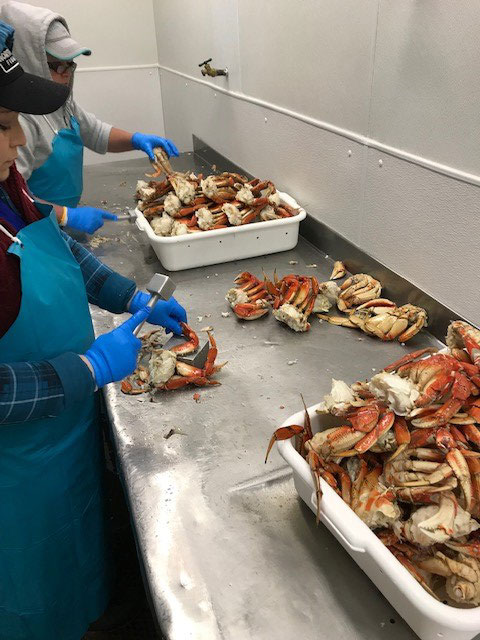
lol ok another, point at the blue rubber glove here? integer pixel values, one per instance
(147, 143)
(166, 313)
(6, 35)
(114, 355)
(87, 219)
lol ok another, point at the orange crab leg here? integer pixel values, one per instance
(409, 358)
(382, 426)
(284, 433)
(190, 345)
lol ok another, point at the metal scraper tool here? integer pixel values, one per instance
(160, 286)
(196, 359)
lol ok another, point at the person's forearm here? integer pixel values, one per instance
(119, 140)
(34, 390)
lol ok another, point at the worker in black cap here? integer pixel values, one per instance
(54, 567)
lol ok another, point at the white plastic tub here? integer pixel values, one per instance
(225, 245)
(429, 618)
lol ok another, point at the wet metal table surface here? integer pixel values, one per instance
(229, 549)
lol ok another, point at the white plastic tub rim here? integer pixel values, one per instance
(144, 225)
(358, 538)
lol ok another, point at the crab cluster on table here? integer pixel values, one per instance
(406, 459)
(294, 298)
(188, 203)
(160, 369)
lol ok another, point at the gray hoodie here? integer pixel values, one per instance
(31, 25)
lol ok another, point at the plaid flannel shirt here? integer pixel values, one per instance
(33, 390)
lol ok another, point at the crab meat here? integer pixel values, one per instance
(162, 225)
(268, 213)
(398, 393)
(204, 219)
(179, 229)
(184, 189)
(292, 317)
(233, 214)
(209, 187)
(162, 366)
(172, 204)
(339, 400)
(237, 296)
(245, 195)
(143, 190)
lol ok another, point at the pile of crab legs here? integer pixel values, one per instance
(294, 298)
(413, 478)
(188, 203)
(159, 369)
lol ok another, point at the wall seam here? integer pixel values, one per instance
(426, 163)
(369, 124)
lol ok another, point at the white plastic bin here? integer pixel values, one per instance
(225, 245)
(429, 618)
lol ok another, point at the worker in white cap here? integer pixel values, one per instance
(52, 159)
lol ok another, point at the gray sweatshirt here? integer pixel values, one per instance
(31, 25)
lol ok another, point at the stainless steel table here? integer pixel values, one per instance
(228, 548)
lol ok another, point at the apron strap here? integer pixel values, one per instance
(9, 235)
(55, 131)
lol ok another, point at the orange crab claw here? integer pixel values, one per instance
(284, 433)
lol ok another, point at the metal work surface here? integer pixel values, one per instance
(229, 549)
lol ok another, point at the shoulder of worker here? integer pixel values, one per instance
(38, 146)
(94, 132)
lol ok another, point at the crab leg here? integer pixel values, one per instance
(383, 425)
(410, 357)
(190, 345)
(460, 468)
(284, 433)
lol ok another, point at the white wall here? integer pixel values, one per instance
(119, 81)
(318, 90)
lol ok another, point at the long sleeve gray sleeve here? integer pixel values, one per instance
(32, 154)
(94, 132)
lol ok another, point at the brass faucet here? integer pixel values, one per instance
(207, 70)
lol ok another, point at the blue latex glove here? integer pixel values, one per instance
(87, 219)
(6, 36)
(114, 355)
(166, 313)
(146, 143)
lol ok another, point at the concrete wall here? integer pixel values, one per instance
(366, 112)
(119, 81)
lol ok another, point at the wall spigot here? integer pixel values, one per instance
(207, 70)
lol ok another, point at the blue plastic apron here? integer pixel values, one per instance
(60, 178)
(54, 574)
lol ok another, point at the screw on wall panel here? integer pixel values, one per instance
(214, 95)
(380, 163)
(349, 153)
(266, 119)
(186, 84)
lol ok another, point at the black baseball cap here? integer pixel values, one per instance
(25, 92)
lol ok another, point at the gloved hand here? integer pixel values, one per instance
(87, 219)
(166, 313)
(146, 143)
(114, 355)
(6, 35)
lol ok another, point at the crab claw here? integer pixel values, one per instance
(284, 433)
(339, 270)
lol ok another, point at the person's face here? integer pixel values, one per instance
(66, 67)
(11, 137)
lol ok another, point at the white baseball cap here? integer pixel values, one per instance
(60, 44)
